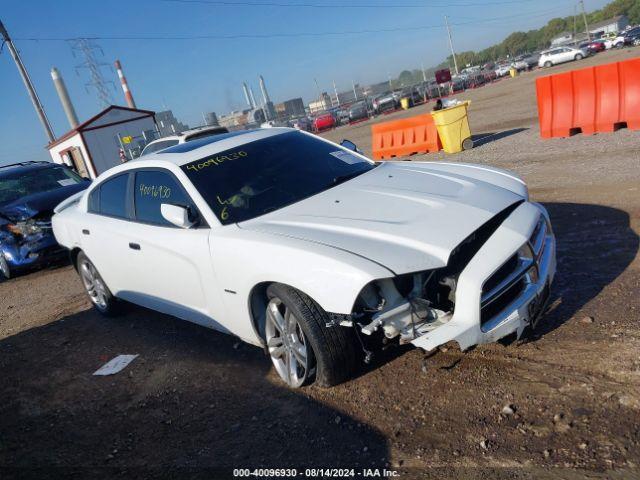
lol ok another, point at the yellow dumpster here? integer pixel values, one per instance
(404, 103)
(453, 128)
(513, 72)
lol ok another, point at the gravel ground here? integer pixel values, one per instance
(564, 403)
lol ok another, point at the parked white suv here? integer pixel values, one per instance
(186, 136)
(558, 55)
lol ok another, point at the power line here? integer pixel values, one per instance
(160, 37)
(227, 3)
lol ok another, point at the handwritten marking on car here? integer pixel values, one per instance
(155, 191)
(217, 160)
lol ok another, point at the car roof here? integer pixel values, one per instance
(26, 166)
(197, 149)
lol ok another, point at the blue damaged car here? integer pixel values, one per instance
(29, 192)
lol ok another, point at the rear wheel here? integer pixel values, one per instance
(99, 294)
(547, 64)
(302, 348)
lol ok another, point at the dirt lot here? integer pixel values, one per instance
(195, 401)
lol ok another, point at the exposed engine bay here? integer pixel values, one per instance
(507, 295)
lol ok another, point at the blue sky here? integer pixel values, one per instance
(197, 75)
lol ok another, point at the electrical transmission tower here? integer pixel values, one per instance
(85, 49)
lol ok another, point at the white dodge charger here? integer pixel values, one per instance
(311, 250)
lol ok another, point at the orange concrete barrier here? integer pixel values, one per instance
(589, 100)
(405, 137)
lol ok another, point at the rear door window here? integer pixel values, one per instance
(113, 196)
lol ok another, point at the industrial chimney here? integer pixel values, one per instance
(63, 94)
(253, 100)
(246, 95)
(125, 86)
(265, 95)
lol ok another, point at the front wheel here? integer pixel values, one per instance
(579, 57)
(302, 348)
(5, 271)
(99, 294)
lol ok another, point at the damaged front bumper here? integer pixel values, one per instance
(518, 299)
(32, 250)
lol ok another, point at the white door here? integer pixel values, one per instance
(105, 232)
(170, 267)
(567, 54)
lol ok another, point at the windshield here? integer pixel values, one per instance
(22, 183)
(258, 177)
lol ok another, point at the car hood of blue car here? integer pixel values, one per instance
(40, 204)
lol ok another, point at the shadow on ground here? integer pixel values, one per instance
(595, 244)
(484, 138)
(194, 399)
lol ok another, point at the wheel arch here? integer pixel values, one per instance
(73, 256)
(258, 301)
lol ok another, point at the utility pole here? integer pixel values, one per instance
(355, 93)
(584, 17)
(453, 54)
(335, 90)
(575, 26)
(390, 85)
(424, 74)
(27, 83)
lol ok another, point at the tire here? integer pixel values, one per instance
(5, 271)
(101, 297)
(578, 57)
(331, 353)
(548, 64)
(467, 144)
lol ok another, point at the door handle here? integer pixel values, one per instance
(134, 246)
(85, 231)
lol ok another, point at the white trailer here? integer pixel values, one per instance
(113, 136)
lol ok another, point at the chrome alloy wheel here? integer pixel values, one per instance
(93, 284)
(286, 343)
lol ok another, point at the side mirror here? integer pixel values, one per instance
(176, 215)
(349, 145)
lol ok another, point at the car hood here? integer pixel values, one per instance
(406, 217)
(39, 205)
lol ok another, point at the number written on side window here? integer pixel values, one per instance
(152, 189)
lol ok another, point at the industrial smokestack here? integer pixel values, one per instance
(246, 95)
(125, 86)
(265, 95)
(63, 94)
(253, 100)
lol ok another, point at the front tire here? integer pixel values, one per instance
(99, 294)
(579, 57)
(5, 271)
(301, 346)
